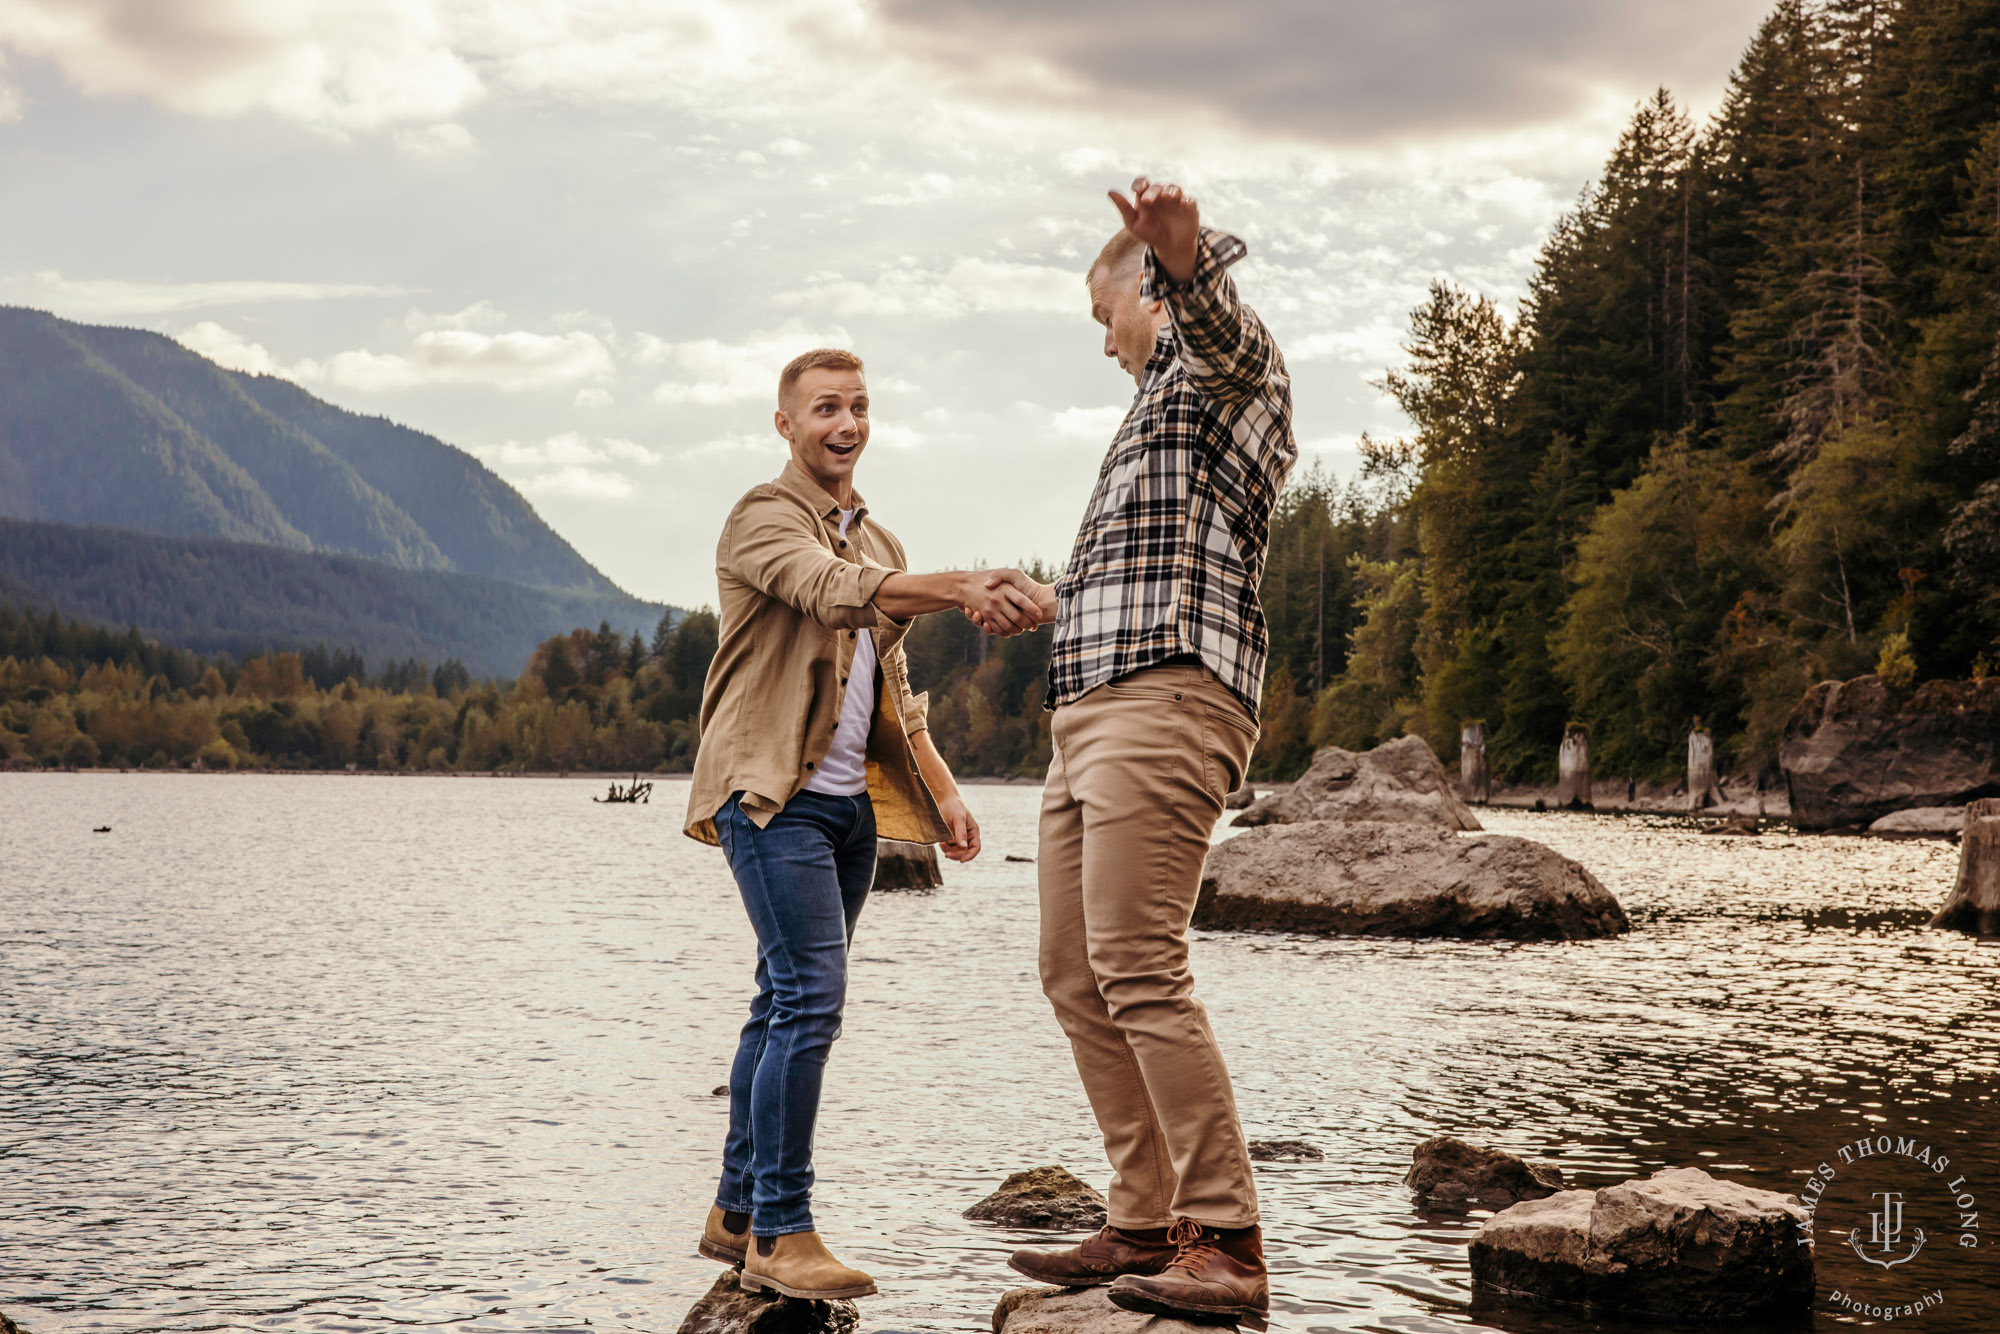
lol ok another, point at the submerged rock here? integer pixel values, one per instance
(1398, 782)
(1283, 1151)
(1921, 821)
(9, 1327)
(1042, 1197)
(1853, 751)
(1680, 1244)
(1447, 1172)
(1078, 1311)
(900, 865)
(727, 1309)
(1739, 826)
(1333, 878)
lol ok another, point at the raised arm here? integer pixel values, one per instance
(1225, 348)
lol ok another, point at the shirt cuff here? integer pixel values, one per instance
(1213, 253)
(854, 604)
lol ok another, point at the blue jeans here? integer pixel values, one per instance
(803, 879)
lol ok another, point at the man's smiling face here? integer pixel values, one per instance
(826, 423)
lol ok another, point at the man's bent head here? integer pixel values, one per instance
(1131, 323)
(823, 415)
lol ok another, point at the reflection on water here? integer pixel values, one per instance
(339, 1053)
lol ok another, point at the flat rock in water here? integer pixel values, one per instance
(1283, 1151)
(727, 1309)
(1042, 1197)
(1365, 879)
(1447, 1172)
(9, 1327)
(900, 865)
(1398, 782)
(1079, 1311)
(1241, 799)
(1854, 751)
(1679, 1244)
(1922, 820)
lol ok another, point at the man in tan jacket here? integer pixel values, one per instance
(812, 744)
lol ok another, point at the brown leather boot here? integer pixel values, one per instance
(1217, 1275)
(798, 1264)
(718, 1242)
(1099, 1259)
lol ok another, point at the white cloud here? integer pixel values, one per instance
(568, 464)
(508, 361)
(588, 483)
(591, 397)
(964, 287)
(225, 348)
(1093, 424)
(440, 140)
(335, 65)
(712, 371)
(478, 315)
(567, 448)
(113, 298)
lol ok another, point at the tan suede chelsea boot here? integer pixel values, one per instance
(718, 1242)
(798, 1264)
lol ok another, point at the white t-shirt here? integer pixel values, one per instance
(844, 771)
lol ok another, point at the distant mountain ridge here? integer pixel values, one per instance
(241, 598)
(125, 428)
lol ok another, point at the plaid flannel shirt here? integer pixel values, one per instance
(1172, 548)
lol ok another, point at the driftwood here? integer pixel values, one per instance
(630, 794)
(900, 865)
(1475, 783)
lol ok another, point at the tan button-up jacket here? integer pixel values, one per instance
(793, 595)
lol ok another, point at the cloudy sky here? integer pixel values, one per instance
(579, 237)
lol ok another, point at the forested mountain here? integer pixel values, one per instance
(128, 429)
(241, 598)
(1743, 436)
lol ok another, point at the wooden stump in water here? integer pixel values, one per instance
(1473, 778)
(1573, 771)
(1702, 791)
(1974, 905)
(900, 865)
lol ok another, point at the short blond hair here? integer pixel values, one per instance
(820, 358)
(1123, 249)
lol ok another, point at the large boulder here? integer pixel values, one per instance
(1853, 751)
(1679, 1245)
(727, 1309)
(1078, 1311)
(1398, 782)
(1447, 1172)
(1334, 878)
(1042, 1197)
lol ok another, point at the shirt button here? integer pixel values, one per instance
(809, 764)
(843, 680)
(854, 634)
(843, 541)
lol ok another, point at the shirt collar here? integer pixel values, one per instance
(796, 483)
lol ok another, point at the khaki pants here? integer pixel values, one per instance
(1140, 770)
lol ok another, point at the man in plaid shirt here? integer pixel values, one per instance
(1155, 677)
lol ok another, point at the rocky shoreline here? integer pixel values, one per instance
(1678, 1245)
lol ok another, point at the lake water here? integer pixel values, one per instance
(325, 1053)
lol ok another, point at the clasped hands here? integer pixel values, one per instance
(1005, 602)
